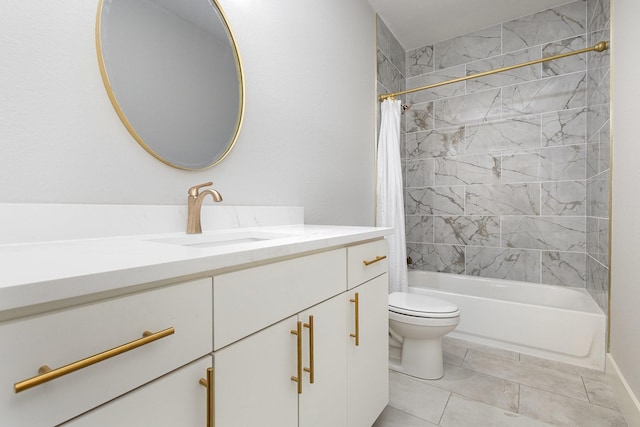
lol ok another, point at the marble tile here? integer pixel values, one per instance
(559, 410)
(450, 341)
(479, 387)
(521, 167)
(383, 36)
(461, 412)
(563, 198)
(551, 233)
(593, 158)
(392, 417)
(503, 199)
(467, 109)
(419, 228)
(600, 392)
(419, 61)
(500, 263)
(597, 119)
(441, 258)
(434, 201)
(469, 47)
(545, 26)
(388, 75)
(564, 268)
(416, 398)
(566, 162)
(398, 55)
(603, 242)
(526, 374)
(598, 59)
(567, 127)
(598, 86)
(512, 134)
(570, 64)
(593, 234)
(419, 117)
(598, 196)
(439, 92)
(467, 169)
(467, 230)
(420, 173)
(505, 78)
(605, 148)
(435, 143)
(550, 94)
(598, 283)
(598, 14)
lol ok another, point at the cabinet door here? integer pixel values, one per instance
(324, 403)
(177, 399)
(253, 385)
(368, 379)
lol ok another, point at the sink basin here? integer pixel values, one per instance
(214, 239)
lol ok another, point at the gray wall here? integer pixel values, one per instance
(308, 137)
(504, 174)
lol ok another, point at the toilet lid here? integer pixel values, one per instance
(421, 305)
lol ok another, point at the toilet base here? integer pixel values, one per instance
(420, 359)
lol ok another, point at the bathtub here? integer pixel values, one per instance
(552, 322)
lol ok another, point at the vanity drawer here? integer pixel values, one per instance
(60, 338)
(248, 300)
(364, 262)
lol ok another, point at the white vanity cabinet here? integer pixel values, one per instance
(293, 338)
(265, 377)
(176, 399)
(67, 340)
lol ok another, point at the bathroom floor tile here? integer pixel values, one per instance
(453, 354)
(532, 375)
(563, 411)
(481, 348)
(600, 392)
(461, 412)
(392, 417)
(416, 398)
(480, 387)
(559, 366)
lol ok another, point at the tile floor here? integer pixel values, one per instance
(484, 386)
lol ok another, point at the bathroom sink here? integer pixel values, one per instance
(215, 239)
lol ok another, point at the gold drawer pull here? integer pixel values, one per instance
(298, 379)
(311, 369)
(356, 301)
(208, 383)
(48, 374)
(373, 261)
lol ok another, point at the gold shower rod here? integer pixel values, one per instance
(599, 47)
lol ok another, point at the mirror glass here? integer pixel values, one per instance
(172, 71)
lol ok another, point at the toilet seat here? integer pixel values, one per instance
(417, 305)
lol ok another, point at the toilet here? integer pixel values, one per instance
(417, 324)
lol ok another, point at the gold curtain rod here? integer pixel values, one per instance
(599, 47)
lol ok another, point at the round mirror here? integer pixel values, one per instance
(173, 74)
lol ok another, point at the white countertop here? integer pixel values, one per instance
(37, 273)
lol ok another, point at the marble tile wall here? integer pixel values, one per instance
(507, 176)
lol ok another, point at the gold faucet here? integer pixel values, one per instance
(194, 202)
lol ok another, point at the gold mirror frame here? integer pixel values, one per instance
(127, 123)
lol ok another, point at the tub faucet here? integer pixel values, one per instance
(194, 202)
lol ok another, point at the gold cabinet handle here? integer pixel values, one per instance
(48, 374)
(208, 383)
(311, 368)
(356, 301)
(298, 379)
(376, 259)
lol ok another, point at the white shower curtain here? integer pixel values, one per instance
(390, 203)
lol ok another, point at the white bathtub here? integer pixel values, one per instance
(552, 322)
